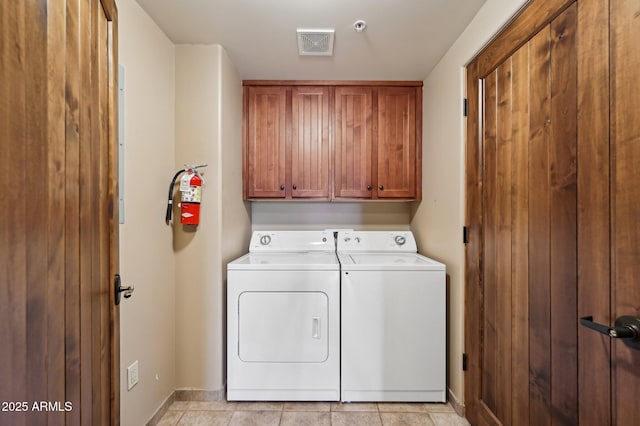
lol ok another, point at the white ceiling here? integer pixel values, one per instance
(404, 39)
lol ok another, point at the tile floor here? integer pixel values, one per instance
(223, 413)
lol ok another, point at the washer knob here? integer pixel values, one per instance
(400, 240)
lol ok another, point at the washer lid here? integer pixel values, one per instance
(388, 262)
(309, 261)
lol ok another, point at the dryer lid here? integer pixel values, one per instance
(302, 261)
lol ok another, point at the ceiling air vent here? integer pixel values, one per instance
(316, 42)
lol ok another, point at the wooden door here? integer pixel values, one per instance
(624, 59)
(310, 165)
(265, 147)
(58, 322)
(396, 142)
(552, 204)
(529, 368)
(353, 146)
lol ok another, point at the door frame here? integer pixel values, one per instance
(111, 12)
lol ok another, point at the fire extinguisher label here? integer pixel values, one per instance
(184, 182)
(190, 193)
(193, 194)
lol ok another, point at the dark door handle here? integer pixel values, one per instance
(281, 187)
(625, 327)
(117, 289)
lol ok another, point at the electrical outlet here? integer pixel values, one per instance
(132, 375)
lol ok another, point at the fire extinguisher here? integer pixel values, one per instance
(191, 195)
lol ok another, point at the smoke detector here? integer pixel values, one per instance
(315, 41)
(359, 25)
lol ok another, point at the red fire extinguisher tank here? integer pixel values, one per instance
(191, 188)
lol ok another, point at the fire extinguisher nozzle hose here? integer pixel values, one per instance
(169, 213)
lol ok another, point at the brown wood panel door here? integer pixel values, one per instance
(310, 165)
(525, 310)
(625, 203)
(266, 142)
(553, 201)
(609, 192)
(353, 145)
(58, 322)
(396, 142)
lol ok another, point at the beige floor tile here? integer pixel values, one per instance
(406, 419)
(255, 418)
(212, 405)
(259, 406)
(351, 418)
(402, 407)
(440, 407)
(448, 419)
(307, 406)
(306, 418)
(205, 418)
(180, 405)
(170, 418)
(354, 406)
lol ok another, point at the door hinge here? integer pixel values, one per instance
(465, 234)
(465, 107)
(464, 362)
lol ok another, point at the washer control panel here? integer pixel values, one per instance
(382, 241)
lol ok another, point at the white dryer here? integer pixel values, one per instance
(393, 323)
(283, 318)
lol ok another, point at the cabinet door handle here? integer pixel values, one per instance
(295, 186)
(381, 187)
(369, 187)
(281, 187)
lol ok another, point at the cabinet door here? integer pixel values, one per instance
(353, 142)
(265, 149)
(310, 142)
(396, 142)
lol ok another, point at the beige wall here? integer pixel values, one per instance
(303, 215)
(438, 220)
(235, 226)
(208, 130)
(147, 320)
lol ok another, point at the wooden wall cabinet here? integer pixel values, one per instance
(265, 175)
(286, 151)
(333, 140)
(354, 143)
(378, 138)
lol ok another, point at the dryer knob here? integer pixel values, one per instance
(400, 240)
(265, 240)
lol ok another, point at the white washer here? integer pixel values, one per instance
(393, 319)
(283, 319)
